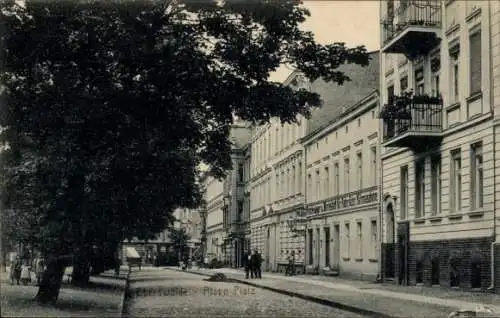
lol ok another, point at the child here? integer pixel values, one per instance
(25, 273)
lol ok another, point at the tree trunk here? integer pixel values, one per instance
(81, 269)
(48, 292)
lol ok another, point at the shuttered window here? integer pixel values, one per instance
(475, 62)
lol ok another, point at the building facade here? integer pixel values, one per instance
(227, 205)
(236, 209)
(343, 193)
(276, 189)
(438, 141)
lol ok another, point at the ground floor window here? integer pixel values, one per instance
(475, 274)
(419, 272)
(454, 274)
(435, 271)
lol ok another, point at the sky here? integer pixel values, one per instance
(353, 22)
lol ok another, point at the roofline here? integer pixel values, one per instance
(348, 110)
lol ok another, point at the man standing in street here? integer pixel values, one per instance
(257, 263)
(248, 264)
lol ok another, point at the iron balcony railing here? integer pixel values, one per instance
(424, 13)
(412, 113)
(345, 200)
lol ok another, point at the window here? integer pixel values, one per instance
(318, 189)
(374, 238)
(288, 184)
(455, 74)
(294, 183)
(309, 183)
(240, 173)
(476, 187)
(327, 183)
(419, 82)
(390, 95)
(346, 129)
(436, 185)
(310, 247)
(240, 211)
(403, 84)
(360, 170)
(404, 192)
(299, 178)
(360, 239)
(374, 164)
(278, 193)
(336, 182)
(435, 70)
(283, 184)
(475, 62)
(347, 175)
(359, 122)
(456, 181)
(419, 188)
(347, 241)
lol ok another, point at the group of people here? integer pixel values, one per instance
(20, 271)
(253, 264)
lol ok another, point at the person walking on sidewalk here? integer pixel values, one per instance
(248, 264)
(290, 269)
(15, 271)
(25, 273)
(39, 269)
(257, 263)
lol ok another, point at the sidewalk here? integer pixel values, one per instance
(394, 301)
(102, 298)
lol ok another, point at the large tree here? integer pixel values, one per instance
(111, 106)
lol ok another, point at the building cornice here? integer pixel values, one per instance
(366, 103)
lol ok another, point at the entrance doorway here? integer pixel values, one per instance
(268, 247)
(389, 246)
(336, 246)
(327, 247)
(403, 252)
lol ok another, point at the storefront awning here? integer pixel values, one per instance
(132, 253)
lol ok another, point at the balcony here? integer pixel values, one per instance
(413, 29)
(412, 121)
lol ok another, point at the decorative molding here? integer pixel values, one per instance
(358, 143)
(372, 136)
(347, 148)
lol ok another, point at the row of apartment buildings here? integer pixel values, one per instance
(395, 176)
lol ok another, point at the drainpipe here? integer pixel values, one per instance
(492, 100)
(304, 184)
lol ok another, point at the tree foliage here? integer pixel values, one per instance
(111, 106)
(180, 241)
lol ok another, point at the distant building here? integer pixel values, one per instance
(227, 205)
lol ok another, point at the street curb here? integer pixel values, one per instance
(318, 300)
(126, 293)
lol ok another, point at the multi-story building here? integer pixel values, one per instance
(236, 208)
(342, 192)
(190, 221)
(341, 175)
(227, 207)
(438, 142)
(276, 188)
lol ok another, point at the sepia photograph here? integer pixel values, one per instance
(250, 158)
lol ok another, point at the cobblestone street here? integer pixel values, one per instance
(176, 294)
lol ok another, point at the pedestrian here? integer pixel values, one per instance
(247, 261)
(259, 264)
(15, 270)
(256, 264)
(25, 273)
(39, 268)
